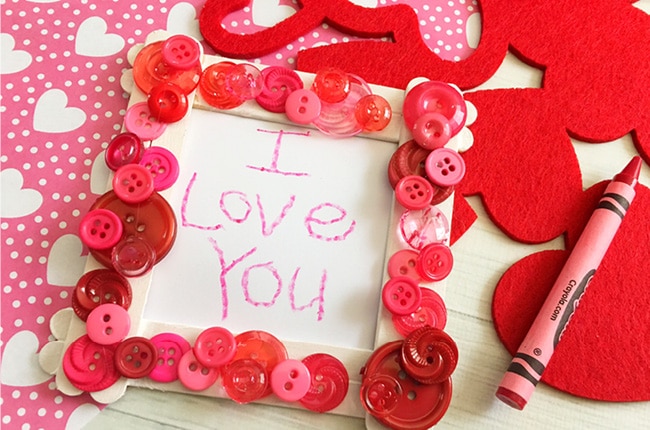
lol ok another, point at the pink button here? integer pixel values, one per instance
(245, 380)
(402, 263)
(339, 119)
(431, 131)
(108, 324)
(435, 97)
(290, 380)
(245, 81)
(420, 228)
(432, 312)
(279, 82)
(125, 148)
(215, 347)
(140, 121)
(193, 375)
(435, 262)
(401, 295)
(303, 106)
(133, 183)
(133, 256)
(181, 52)
(100, 229)
(171, 347)
(414, 192)
(163, 166)
(90, 366)
(445, 167)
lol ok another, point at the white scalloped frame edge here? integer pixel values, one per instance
(66, 327)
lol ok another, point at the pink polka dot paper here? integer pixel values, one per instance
(61, 105)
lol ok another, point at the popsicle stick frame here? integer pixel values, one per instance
(212, 219)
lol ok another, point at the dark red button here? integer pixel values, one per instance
(125, 148)
(90, 366)
(432, 312)
(133, 256)
(429, 355)
(414, 192)
(435, 262)
(214, 88)
(329, 383)
(401, 295)
(150, 69)
(167, 102)
(407, 160)
(153, 220)
(246, 380)
(279, 82)
(135, 357)
(99, 287)
(331, 85)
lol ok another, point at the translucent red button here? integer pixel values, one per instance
(401, 295)
(290, 380)
(100, 229)
(98, 287)
(431, 131)
(302, 106)
(140, 121)
(331, 85)
(445, 167)
(246, 380)
(133, 256)
(133, 183)
(170, 348)
(167, 102)
(373, 112)
(135, 357)
(108, 324)
(402, 263)
(429, 355)
(245, 81)
(125, 148)
(214, 88)
(414, 192)
(90, 366)
(329, 383)
(339, 119)
(435, 97)
(150, 69)
(193, 375)
(420, 228)
(181, 52)
(278, 83)
(163, 166)
(432, 312)
(435, 262)
(215, 347)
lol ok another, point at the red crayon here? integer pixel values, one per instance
(536, 350)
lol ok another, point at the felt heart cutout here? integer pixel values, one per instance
(265, 15)
(93, 41)
(66, 262)
(13, 60)
(604, 352)
(20, 366)
(16, 200)
(52, 114)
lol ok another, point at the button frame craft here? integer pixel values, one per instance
(160, 331)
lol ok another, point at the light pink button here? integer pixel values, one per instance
(133, 183)
(414, 192)
(290, 380)
(302, 106)
(435, 262)
(431, 131)
(401, 295)
(193, 375)
(420, 228)
(108, 324)
(163, 166)
(171, 347)
(402, 263)
(215, 347)
(100, 229)
(181, 52)
(140, 121)
(339, 119)
(445, 167)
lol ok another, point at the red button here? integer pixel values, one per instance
(329, 383)
(167, 102)
(445, 167)
(98, 287)
(414, 192)
(245, 81)
(170, 348)
(163, 166)
(214, 89)
(429, 355)
(193, 375)
(135, 357)
(435, 97)
(133, 256)
(153, 220)
(302, 106)
(331, 85)
(150, 69)
(125, 148)
(339, 119)
(402, 263)
(401, 295)
(133, 183)
(373, 112)
(215, 347)
(435, 262)
(246, 380)
(108, 324)
(394, 398)
(100, 229)
(432, 312)
(181, 52)
(290, 380)
(90, 366)
(279, 82)
(431, 131)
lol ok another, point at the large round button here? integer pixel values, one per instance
(331, 85)
(215, 347)
(245, 81)
(435, 262)
(329, 383)
(90, 366)
(214, 88)
(373, 112)
(170, 348)
(290, 380)
(402, 263)
(414, 192)
(431, 131)
(150, 69)
(435, 97)
(193, 375)
(108, 324)
(100, 229)
(133, 183)
(420, 228)
(153, 220)
(445, 167)
(339, 119)
(125, 148)
(401, 295)
(135, 357)
(432, 312)
(163, 166)
(181, 52)
(167, 102)
(246, 380)
(98, 287)
(279, 82)
(407, 160)
(302, 106)
(140, 121)
(429, 355)
(133, 256)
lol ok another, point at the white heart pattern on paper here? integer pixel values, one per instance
(20, 366)
(16, 200)
(99, 175)
(12, 60)
(182, 20)
(65, 264)
(93, 41)
(266, 15)
(82, 416)
(52, 114)
(43, 1)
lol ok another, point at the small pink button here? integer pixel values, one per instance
(422, 227)
(181, 52)
(193, 375)
(279, 82)
(414, 192)
(431, 131)
(215, 347)
(100, 229)
(171, 347)
(303, 106)
(245, 81)
(445, 167)
(108, 324)
(290, 380)
(140, 121)
(402, 263)
(401, 295)
(435, 262)
(163, 166)
(436, 97)
(133, 256)
(133, 183)
(125, 148)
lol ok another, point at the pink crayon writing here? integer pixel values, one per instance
(536, 350)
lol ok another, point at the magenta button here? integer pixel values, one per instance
(171, 347)
(163, 166)
(100, 229)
